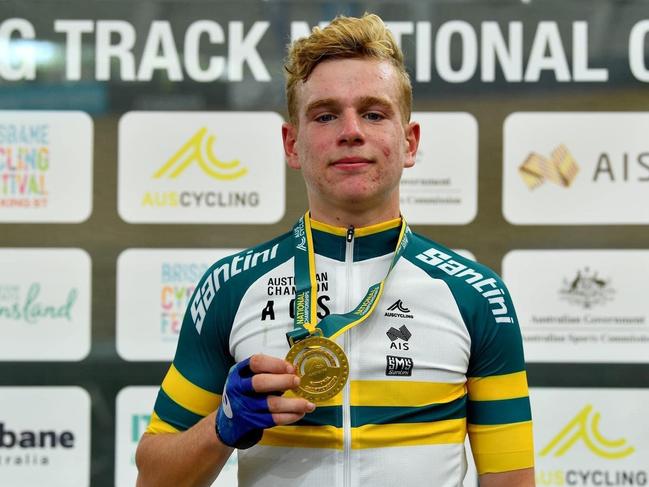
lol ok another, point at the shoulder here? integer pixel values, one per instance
(229, 278)
(446, 263)
(250, 263)
(475, 286)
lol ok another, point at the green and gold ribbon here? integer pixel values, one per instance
(333, 325)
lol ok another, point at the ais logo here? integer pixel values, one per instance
(399, 338)
(584, 427)
(199, 149)
(560, 169)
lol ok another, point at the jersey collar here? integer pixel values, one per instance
(369, 242)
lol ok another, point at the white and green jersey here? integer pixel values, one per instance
(440, 357)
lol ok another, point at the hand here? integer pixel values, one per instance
(251, 401)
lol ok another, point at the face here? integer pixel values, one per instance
(351, 142)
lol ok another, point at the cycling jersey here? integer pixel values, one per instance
(441, 356)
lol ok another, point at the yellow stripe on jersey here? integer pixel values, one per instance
(377, 227)
(502, 447)
(190, 396)
(409, 434)
(497, 387)
(304, 437)
(156, 426)
(403, 393)
(359, 232)
(337, 400)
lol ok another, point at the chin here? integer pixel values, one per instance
(358, 201)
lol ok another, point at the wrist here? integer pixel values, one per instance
(233, 439)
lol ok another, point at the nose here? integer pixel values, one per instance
(351, 132)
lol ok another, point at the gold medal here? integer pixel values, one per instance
(322, 367)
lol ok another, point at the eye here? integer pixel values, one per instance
(325, 117)
(373, 116)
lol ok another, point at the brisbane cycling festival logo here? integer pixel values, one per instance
(24, 165)
(560, 169)
(177, 283)
(584, 427)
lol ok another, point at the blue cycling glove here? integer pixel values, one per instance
(243, 413)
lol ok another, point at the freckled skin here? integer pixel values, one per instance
(351, 142)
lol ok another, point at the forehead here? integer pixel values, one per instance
(349, 80)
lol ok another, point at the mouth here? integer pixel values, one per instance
(347, 163)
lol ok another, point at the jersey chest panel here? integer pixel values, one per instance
(416, 331)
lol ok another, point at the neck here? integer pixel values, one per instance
(345, 217)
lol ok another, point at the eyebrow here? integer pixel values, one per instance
(363, 103)
(368, 101)
(322, 103)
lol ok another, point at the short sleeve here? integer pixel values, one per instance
(194, 383)
(499, 419)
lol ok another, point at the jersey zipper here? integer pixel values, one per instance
(347, 433)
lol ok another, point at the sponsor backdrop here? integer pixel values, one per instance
(150, 308)
(595, 437)
(140, 141)
(49, 447)
(132, 415)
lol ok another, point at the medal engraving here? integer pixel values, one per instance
(322, 367)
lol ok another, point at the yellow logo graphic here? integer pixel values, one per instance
(192, 152)
(561, 168)
(581, 427)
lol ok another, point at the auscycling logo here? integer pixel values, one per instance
(399, 305)
(398, 310)
(587, 289)
(32, 308)
(560, 168)
(584, 428)
(198, 150)
(192, 152)
(556, 468)
(28, 448)
(24, 165)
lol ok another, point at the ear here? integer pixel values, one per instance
(289, 139)
(412, 140)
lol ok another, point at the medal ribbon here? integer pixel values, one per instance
(333, 325)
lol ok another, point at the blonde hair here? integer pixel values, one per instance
(345, 37)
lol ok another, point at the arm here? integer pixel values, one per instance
(196, 456)
(515, 478)
(192, 458)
